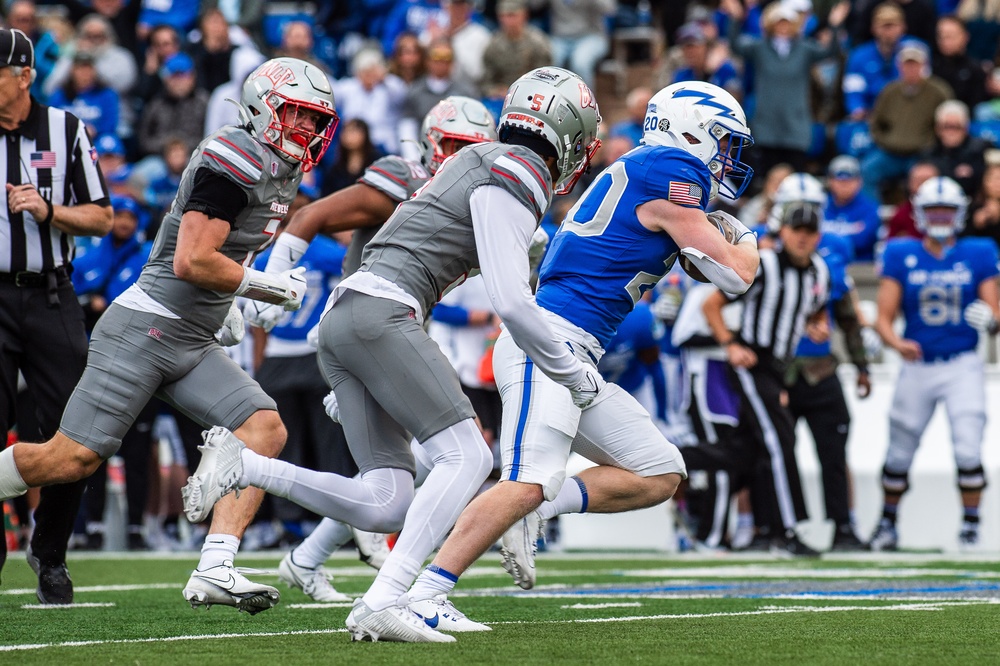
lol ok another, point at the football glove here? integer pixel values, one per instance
(286, 288)
(667, 305)
(587, 390)
(233, 327)
(734, 230)
(263, 315)
(872, 341)
(332, 407)
(979, 316)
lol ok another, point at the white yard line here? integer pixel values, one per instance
(766, 610)
(48, 607)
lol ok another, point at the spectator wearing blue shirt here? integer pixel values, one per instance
(179, 14)
(635, 106)
(849, 212)
(85, 96)
(694, 49)
(872, 65)
(21, 15)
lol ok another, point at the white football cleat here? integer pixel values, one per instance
(313, 582)
(218, 473)
(224, 585)
(441, 614)
(395, 623)
(518, 547)
(373, 547)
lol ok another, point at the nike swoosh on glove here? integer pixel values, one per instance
(233, 327)
(587, 390)
(979, 316)
(263, 315)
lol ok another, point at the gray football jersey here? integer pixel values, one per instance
(428, 244)
(270, 184)
(394, 177)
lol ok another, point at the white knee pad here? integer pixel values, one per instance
(462, 447)
(391, 492)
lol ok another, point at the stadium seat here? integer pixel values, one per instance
(852, 138)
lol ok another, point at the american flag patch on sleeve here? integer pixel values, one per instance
(686, 194)
(43, 160)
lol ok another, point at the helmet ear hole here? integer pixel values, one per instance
(691, 138)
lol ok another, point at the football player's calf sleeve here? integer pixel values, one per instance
(328, 536)
(723, 277)
(11, 483)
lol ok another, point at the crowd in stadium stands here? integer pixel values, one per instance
(874, 97)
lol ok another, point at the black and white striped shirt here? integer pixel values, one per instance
(782, 298)
(51, 151)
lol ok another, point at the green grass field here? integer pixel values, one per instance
(587, 609)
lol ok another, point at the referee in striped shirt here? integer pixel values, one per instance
(788, 299)
(55, 191)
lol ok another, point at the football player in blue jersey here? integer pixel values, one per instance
(945, 287)
(641, 213)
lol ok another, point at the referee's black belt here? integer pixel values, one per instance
(32, 280)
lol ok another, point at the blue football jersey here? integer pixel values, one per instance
(837, 252)
(936, 290)
(602, 259)
(323, 261)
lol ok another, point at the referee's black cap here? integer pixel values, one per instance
(798, 215)
(16, 49)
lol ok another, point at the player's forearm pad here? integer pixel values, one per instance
(285, 254)
(267, 287)
(723, 277)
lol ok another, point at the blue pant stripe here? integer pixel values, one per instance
(522, 419)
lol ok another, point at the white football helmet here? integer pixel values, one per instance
(943, 193)
(708, 122)
(274, 96)
(452, 123)
(795, 188)
(557, 106)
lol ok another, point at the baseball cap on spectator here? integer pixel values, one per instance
(888, 12)
(84, 58)
(509, 6)
(16, 49)
(913, 51)
(782, 12)
(109, 144)
(801, 6)
(123, 204)
(843, 167)
(690, 33)
(798, 215)
(179, 63)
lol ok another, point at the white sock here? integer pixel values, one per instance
(462, 461)
(328, 536)
(11, 483)
(572, 498)
(218, 549)
(431, 582)
(372, 503)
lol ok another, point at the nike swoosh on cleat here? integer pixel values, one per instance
(432, 622)
(227, 584)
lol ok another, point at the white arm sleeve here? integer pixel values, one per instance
(285, 254)
(723, 277)
(503, 229)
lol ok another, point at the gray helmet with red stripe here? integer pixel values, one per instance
(273, 97)
(453, 122)
(557, 105)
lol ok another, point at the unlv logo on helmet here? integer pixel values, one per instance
(277, 74)
(586, 97)
(443, 111)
